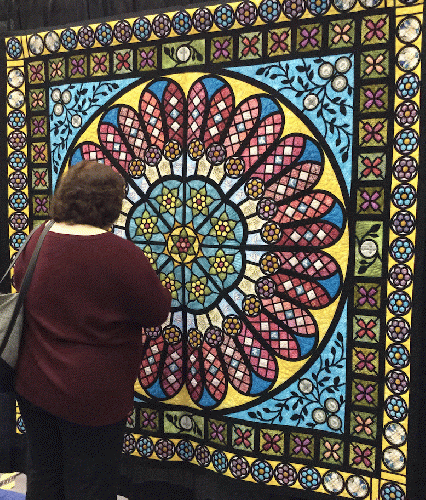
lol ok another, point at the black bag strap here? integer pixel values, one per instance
(26, 281)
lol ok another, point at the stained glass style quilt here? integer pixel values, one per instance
(271, 152)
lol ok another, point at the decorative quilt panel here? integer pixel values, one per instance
(271, 153)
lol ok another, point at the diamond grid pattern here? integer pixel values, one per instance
(132, 130)
(318, 234)
(260, 359)
(308, 293)
(151, 115)
(239, 374)
(307, 207)
(298, 179)
(241, 125)
(215, 380)
(114, 144)
(172, 376)
(150, 363)
(196, 109)
(220, 109)
(316, 265)
(173, 105)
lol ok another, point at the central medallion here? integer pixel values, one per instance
(183, 245)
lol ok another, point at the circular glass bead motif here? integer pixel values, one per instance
(319, 416)
(17, 240)
(409, 29)
(246, 13)
(145, 446)
(234, 167)
(333, 482)
(334, 422)
(219, 461)
(399, 303)
(405, 169)
(16, 99)
(395, 434)
(185, 450)
(398, 356)
(396, 408)
(129, 444)
(403, 223)
(408, 58)
(262, 471)
(181, 22)
(332, 405)
(318, 7)
(17, 160)
(103, 34)
(36, 44)
(18, 201)
(251, 305)
(69, 39)
(402, 250)
(164, 449)
(18, 180)
(343, 64)
(18, 221)
(406, 141)
(224, 17)
(397, 381)
(17, 139)
(142, 28)
(394, 459)
(310, 102)
(357, 487)
(400, 276)
(52, 41)
(86, 37)
(202, 455)
(239, 467)
(294, 9)
(161, 25)
(16, 119)
(15, 78)
(407, 114)
(398, 329)
(254, 188)
(407, 86)
(202, 19)
(269, 10)
(392, 491)
(344, 5)
(404, 196)
(14, 48)
(326, 70)
(339, 83)
(370, 3)
(309, 478)
(285, 474)
(122, 31)
(306, 386)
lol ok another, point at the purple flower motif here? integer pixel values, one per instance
(374, 98)
(149, 419)
(364, 393)
(41, 204)
(38, 126)
(309, 37)
(302, 446)
(217, 431)
(77, 66)
(221, 49)
(370, 200)
(367, 295)
(146, 58)
(365, 361)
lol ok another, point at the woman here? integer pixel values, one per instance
(91, 294)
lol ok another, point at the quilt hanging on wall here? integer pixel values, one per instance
(270, 151)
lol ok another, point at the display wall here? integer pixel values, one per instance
(272, 156)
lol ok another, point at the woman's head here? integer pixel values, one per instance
(89, 193)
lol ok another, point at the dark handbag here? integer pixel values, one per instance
(12, 317)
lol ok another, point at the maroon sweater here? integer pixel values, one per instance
(89, 298)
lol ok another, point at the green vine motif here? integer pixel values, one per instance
(82, 103)
(314, 396)
(305, 85)
(367, 261)
(177, 422)
(183, 54)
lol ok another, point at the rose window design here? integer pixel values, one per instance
(241, 212)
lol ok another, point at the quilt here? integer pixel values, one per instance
(271, 154)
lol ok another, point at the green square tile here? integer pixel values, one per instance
(375, 29)
(363, 425)
(40, 178)
(309, 37)
(77, 66)
(373, 132)
(370, 200)
(331, 450)
(362, 456)
(56, 69)
(37, 99)
(367, 296)
(39, 152)
(302, 446)
(146, 59)
(149, 419)
(371, 166)
(222, 49)
(364, 393)
(123, 61)
(366, 328)
(365, 361)
(272, 442)
(36, 72)
(243, 437)
(99, 63)
(375, 64)
(250, 45)
(279, 42)
(40, 205)
(373, 98)
(38, 126)
(341, 33)
(217, 431)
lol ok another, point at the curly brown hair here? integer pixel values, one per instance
(89, 193)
